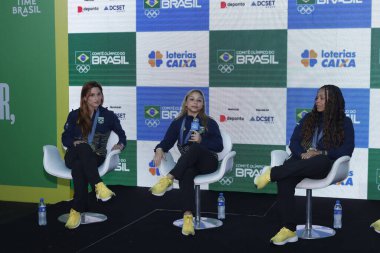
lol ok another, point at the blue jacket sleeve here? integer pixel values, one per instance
(171, 136)
(295, 141)
(68, 135)
(348, 145)
(119, 130)
(212, 138)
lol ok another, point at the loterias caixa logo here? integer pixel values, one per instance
(5, 111)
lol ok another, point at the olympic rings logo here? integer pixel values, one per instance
(226, 68)
(226, 180)
(152, 122)
(83, 68)
(152, 13)
(305, 9)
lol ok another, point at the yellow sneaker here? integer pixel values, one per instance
(164, 184)
(376, 226)
(284, 236)
(74, 219)
(102, 192)
(188, 225)
(262, 180)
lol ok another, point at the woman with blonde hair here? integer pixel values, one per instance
(198, 147)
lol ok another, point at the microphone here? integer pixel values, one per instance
(194, 125)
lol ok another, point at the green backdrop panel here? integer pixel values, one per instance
(126, 173)
(248, 162)
(28, 92)
(109, 58)
(256, 59)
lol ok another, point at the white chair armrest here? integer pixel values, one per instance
(338, 172)
(225, 166)
(53, 163)
(110, 163)
(278, 157)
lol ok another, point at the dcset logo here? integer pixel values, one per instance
(5, 111)
(172, 59)
(329, 58)
(306, 7)
(152, 7)
(83, 59)
(115, 8)
(117, 109)
(268, 119)
(228, 58)
(264, 3)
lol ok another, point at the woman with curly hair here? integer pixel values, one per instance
(321, 137)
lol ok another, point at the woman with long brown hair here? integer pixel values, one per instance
(85, 135)
(198, 150)
(321, 137)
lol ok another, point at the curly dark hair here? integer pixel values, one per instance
(333, 119)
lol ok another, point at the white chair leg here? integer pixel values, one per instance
(310, 231)
(86, 217)
(200, 222)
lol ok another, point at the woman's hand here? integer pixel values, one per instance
(158, 156)
(118, 146)
(196, 137)
(310, 153)
(78, 142)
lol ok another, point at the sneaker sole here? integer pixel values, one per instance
(75, 226)
(162, 194)
(106, 199)
(187, 234)
(291, 239)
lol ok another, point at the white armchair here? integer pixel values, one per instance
(226, 156)
(55, 166)
(338, 172)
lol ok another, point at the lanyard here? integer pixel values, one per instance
(181, 142)
(91, 135)
(316, 137)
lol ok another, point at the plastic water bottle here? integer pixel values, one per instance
(42, 213)
(337, 215)
(221, 207)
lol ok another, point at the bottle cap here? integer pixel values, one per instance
(220, 193)
(41, 199)
(337, 201)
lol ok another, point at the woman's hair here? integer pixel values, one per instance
(84, 118)
(333, 119)
(202, 114)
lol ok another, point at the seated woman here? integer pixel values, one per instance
(321, 137)
(198, 150)
(85, 135)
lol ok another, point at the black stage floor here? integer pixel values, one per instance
(140, 222)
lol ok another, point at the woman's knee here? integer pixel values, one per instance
(84, 149)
